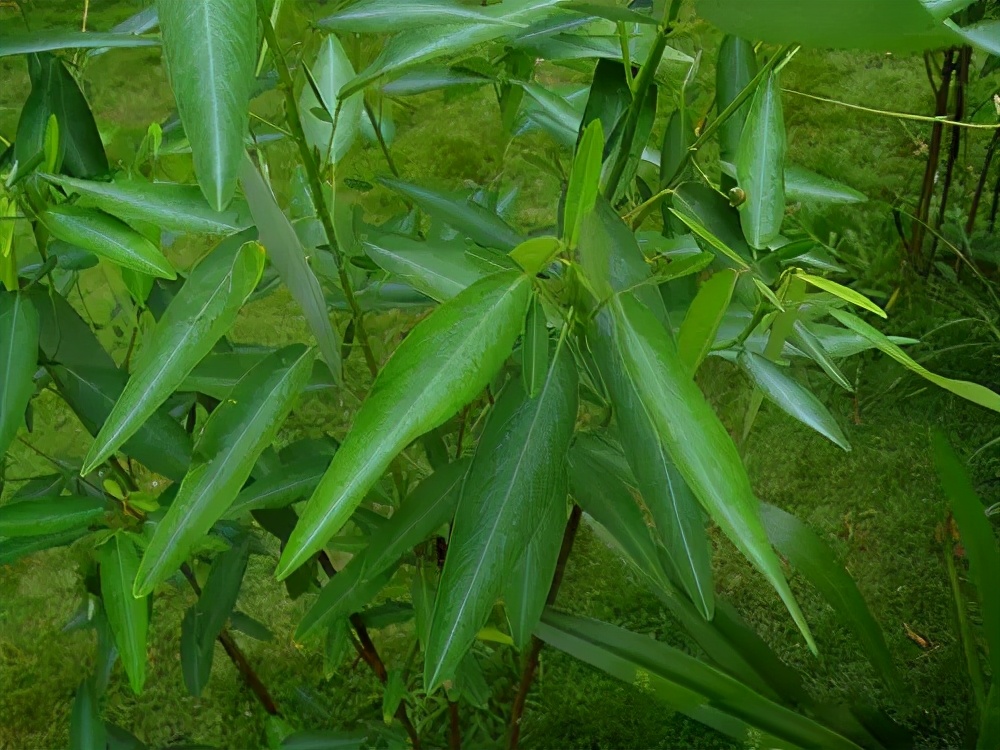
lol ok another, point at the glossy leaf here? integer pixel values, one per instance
(973, 392)
(713, 220)
(439, 270)
(233, 437)
(198, 316)
(481, 225)
(86, 727)
(584, 182)
(792, 397)
(127, 615)
(333, 133)
(845, 293)
(678, 138)
(444, 363)
(288, 256)
(107, 237)
(516, 471)
(695, 438)
(210, 50)
(50, 40)
(386, 16)
(736, 68)
(760, 165)
(280, 488)
(804, 185)
(49, 515)
(176, 208)
(535, 349)
(704, 316)
(320, 739)
(811, 557)
(14, 549)
(808, 342)
(19, 335)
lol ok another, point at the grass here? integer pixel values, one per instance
(878, 506)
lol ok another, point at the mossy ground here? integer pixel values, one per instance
(878, 506)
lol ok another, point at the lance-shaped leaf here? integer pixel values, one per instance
(15, 548)
(207, 617)
(695, 438)
(198, 316)
(845, 293)
(387, 16)
(160, 443)
(234, 436)
(703, 318)
(516, 471)
(802, 184)
(792, 397)
(321, 739)
(50, 40)
(690, 686)
(281, 487)
(425, 509)
(107, 237)
(439, 270)
(210, 51)
(535, 349)
(526, 590)
(128, 616)
(176, 208)
(334, 130)
(737, 66)
(809, 343)
(19, 332)
(49, 515)
(760, 165)
(86, 727)
(442, 365)
(809, 555)
(584, 182)
(288, 256)
(479, 224)
(973, 392)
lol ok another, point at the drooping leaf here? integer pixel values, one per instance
(845, 293)
(232, 439)
(333, 132)
(280, 488)
(107, 237)
(693, 435)
(14, 549)
(737, 66)
(481, 225)
(49, 515)
(287, 255)
(678, 137)
(386, 16)
(804, 185)
(197, 317)
(973, 392)
(210, 50)
(792, 397)
(176, 208)
(535, 349)
(704, 316)
(609, 10)
(760, 165)
(713, 220)
(444, 363)
(128, 616)
(19, 335)
(816, 562)
(439, 270)
(584, 182)
(514, 476)
(86, 728)
(50, 40)
(808, 342)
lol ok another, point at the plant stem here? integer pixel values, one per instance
(970, 223)
(454, 728)
(377, 127)
(316, 184)
(531, 660)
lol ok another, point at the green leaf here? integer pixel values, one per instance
(973, 392)
(247, 625)
(792, 397)
(710, 216)
(695, 225)
(688, 685)
(807, 341)
(806, 186)
(49, 515)
(535, 349)
(425, 509)
(584, 182)
(534, 254)
(210, 50)
(127, 615)
(978, 539)
(280, 488)
(439, 270)
(902, 26)
(514, 476)
(989, 724)
(388, 16)
(442, 365)
(86, 728)
(609, 10)
(736, 68)
(54, 91)
(232, 439)
(107, 237)
(198, 316)
(12, 550)
(19, 334)
(845, 293)
(333, 136)
(526, 589)
(481, 225)
(811, 557)
(695, 438)
(49, 40)
(176, 208)
(760, 165)
(320, 739)
(701, 322)
(678, 138)
(288, 256)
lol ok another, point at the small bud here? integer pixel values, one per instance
(737, 197)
